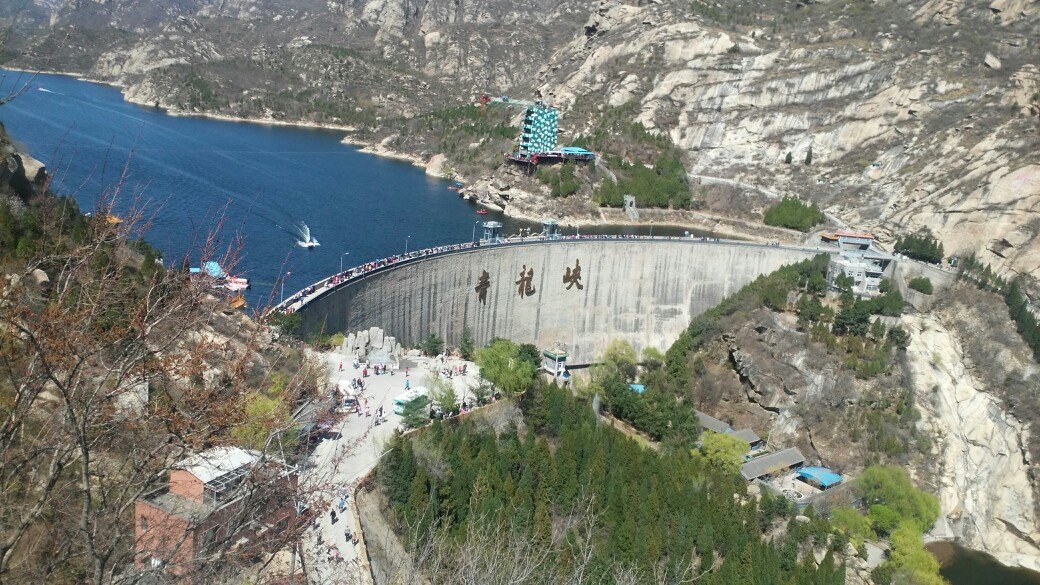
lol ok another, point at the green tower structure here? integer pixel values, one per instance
(539, 129)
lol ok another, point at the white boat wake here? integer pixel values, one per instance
(305, 239)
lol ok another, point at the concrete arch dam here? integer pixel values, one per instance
(583, 293)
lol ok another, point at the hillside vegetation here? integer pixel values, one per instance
(112, 369)
(560, 499)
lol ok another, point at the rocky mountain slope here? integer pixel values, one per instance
(339, 61)
(948, 409)
(895, 116)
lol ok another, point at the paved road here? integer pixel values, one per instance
(339, 463)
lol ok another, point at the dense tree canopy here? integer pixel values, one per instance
(664, 514)
(890, 486)
(503, 364)
(723, 452)
(920, 247)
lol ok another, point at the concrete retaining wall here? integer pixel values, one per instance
(905, 270)
(644, 291)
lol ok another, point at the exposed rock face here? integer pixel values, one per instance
(984, 486)
(24, 175)
(374, 338)
(907, 133)
(777, 367)
(769, 376)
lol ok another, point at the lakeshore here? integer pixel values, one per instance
(666, 219)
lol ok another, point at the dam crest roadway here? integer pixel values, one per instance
(581, 291)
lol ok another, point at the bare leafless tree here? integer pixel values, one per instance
(108, 377)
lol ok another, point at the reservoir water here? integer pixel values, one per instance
(265, 181)
(963, 566)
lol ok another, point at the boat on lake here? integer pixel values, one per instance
(306, 240)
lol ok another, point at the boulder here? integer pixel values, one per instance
(348, 345)
(992, 62)
(390, 344)
(375, 337)
(133, 399)
(43, 282)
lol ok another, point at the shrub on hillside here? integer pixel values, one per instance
(562, 180)
(921, 284)
(792, 213)
(662, 185)
(432, 345)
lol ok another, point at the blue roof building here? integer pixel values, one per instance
(575, 150)
(821, 476)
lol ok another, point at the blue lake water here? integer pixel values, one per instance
(263, 180)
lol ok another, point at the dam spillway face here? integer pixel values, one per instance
(584, 293)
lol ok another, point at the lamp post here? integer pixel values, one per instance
(282, 295)
(473, 238)
(651, 228)
(406, 238)
(341, 261)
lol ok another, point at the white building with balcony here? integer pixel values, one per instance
(860, 259)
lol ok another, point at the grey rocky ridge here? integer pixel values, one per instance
(895, 117)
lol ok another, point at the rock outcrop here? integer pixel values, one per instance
(967, 447)
(984, 488)
(363, 343)
(907, 133)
